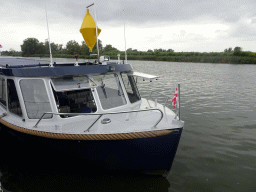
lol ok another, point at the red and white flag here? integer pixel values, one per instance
(0, 46)
(175, 98)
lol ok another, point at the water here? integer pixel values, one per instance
(217, 150)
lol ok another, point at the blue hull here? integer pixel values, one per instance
(144, 154)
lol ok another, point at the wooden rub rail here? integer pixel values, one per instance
(87, 136)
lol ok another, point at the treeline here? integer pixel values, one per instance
(31, 47)
(236, 56)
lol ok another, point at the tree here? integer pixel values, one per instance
(55, 48)
(109, 48)
(72, 47)
(32, 46)
(100, 46)
(237, 49)
(229, 50)
(170, 50)
(40, 48)
(11, 50)
(84, 49)
(129, 49)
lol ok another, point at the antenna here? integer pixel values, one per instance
(49, 41)
(124, 40)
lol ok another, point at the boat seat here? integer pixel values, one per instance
(64, 109)
(80, 100)
(14, 107)
(16, 110)
(82, 94)
(71, 96)
(14, 104)
(86, 110)
(92, 106)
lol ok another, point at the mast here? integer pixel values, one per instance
(124, 40)
(49, 41)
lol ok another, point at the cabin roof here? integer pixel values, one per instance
(22, 67)
(17, 61)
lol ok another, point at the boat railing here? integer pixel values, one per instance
(166, 100)
(101, 114)
(176, 110)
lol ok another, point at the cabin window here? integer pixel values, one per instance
(13, 100)
(35, 98)
(76, 101)
(131, 87)
(69, 83)
(73, 95)
(110, 91)
(2, 91)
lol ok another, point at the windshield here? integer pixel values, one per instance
(131, 87)
(110, 91)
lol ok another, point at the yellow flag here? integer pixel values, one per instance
(88, 30)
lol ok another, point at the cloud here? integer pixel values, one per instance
(199, 21)
(139, 11)
(244, 30)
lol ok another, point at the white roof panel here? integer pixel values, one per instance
(144, 75)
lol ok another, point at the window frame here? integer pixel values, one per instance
(135, 87)
(118, 85)
(47, 92)
(6, 99)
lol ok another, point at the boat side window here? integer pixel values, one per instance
(35, 98)
(13, 100)
(2, 91)
(131, 87)
(110, 91)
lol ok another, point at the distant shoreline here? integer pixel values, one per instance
(169, 57)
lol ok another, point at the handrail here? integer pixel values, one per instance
(158, 93)
(177, 113)
(100, 115)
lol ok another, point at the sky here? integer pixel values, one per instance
(181, 25)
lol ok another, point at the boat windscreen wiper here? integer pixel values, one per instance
(103, 89)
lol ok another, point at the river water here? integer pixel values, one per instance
(217, 150)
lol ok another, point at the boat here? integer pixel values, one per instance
(91, 110)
